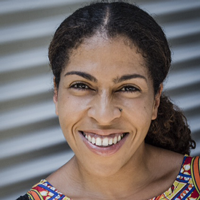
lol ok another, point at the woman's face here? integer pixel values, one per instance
(102, 76)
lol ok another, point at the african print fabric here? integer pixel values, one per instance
(185, 187)
(45, 191)
(187, 184)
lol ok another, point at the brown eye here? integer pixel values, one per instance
(129, 88)
(80, 86)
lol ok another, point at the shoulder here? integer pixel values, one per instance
(187, 182)
(43, 190)
(194, 163)
(165, 163)
(171, 163)
(182, 172)
(191, 166)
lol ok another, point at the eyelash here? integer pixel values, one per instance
(80, 86)
(127, 88)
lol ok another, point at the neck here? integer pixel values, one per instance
(128, 180)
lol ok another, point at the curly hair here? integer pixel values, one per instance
(170, 129)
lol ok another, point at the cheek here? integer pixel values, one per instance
(71, 110)
(139, 110)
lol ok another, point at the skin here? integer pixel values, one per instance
(136, 170)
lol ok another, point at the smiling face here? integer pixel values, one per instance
(102, 77)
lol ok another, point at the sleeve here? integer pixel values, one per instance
(195, 172)
(25, 197)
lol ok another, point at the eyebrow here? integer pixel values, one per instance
(117, 80)
(128, 77)
(82, 74)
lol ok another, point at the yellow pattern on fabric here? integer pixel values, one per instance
(32, 198)
(182, 188)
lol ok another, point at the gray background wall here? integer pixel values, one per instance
(31, 142)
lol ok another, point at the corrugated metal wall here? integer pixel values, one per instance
(31, 142)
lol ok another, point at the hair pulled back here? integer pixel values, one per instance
(170, 129)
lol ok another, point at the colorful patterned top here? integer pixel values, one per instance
(185, 187)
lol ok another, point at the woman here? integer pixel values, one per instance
(109, 62)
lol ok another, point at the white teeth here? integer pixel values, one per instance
(98, 141)
(119, 138)
(105, 142)
(101, 141)
(89, 138)
(93, 140)
(110, 142)
(115, 140)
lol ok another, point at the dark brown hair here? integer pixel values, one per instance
(170, 129)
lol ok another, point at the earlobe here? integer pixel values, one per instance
(55, 98)
(157, 102)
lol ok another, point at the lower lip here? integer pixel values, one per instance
(104, 151)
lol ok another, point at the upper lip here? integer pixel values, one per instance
(102, 132)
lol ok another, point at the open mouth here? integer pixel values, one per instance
(103, 141)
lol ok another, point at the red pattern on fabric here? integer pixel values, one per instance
(182, 189)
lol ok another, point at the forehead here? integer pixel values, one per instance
(99, 53)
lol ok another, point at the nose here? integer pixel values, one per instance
(103, 109)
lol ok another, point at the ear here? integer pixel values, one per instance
(157, 102)
(55, 97)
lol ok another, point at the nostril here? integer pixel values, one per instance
(120, 109)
